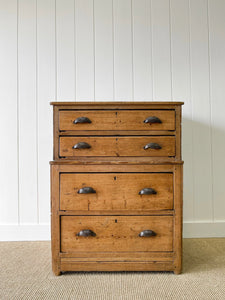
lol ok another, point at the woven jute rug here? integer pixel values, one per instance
(26, 274)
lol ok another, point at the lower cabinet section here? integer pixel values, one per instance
(116, 217)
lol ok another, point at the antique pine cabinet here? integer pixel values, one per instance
(116, 187)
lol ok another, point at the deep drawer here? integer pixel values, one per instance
(156, 146)
(117, 120)
(116, 191)
(116, 233)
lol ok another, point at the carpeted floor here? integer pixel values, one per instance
(26, 274)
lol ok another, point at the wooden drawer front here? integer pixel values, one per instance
(116, 233)
(116, 191)
(117, 120)
(118, 146)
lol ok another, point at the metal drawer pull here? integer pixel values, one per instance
(152, 146)
(86, 232)
(147, 191)
(147, 233)
(81, 145)
(152, 120)
(86, 190)
(82, 120)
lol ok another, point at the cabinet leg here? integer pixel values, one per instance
(177, 271)
(56, 269)
(56, 272)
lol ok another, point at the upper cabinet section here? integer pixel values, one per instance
(146, 123)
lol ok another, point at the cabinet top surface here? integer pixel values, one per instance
(120, 103)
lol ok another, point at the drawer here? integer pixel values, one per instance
(117, 120)
(116, 233)
(116, 191)
(156, 146)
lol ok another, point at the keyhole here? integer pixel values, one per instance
(115, 178)
(116, 221)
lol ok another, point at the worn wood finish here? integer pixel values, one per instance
(118, 161)
(178, 218)
(117, 256)
(55, 220)
(66, 166)
(133, 212)
(117, 167)
(116, 191)
(116, 233)
(117, 120)
(117, 146)
(55, 132)
(116, 132)
(178, 132)
(117, 266)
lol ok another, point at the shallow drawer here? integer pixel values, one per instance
(117, 120)
(116, 191)
(117, 146)
(116, 233)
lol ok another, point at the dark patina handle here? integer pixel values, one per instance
(81, 145)
(82, 120)
(147, 233)
(147, 191)
(152, 120)
(152, 146)
(86, 190)
(86, 232)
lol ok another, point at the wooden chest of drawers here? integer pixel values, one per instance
(116, 187)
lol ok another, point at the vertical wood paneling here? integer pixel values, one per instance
(27, 111)
(217, 64)
(45, 93)
(123, 66)
(85, 63)
(160, 16)
(103, 49)
(142, 50)
(8, 113)
(202, 171)
(110, 50)
(181, 86)
(65, 49)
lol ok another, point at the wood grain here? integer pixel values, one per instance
(117, 146)
(116, 233)
(178, 218)
(117, 120)
(118, 161)
(72, 167)
(116, 191)
(116, 212)
(55, 221)
(117, 256)
(117, 167)
(116, 266)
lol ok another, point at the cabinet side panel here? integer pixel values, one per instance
(55, 221)
(56, 133)
(178, 132)
(178, 217)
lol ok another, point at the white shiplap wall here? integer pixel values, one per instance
(109, 50)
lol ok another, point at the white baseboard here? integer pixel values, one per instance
(204, 229)
(28, 232)
(41, 232)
